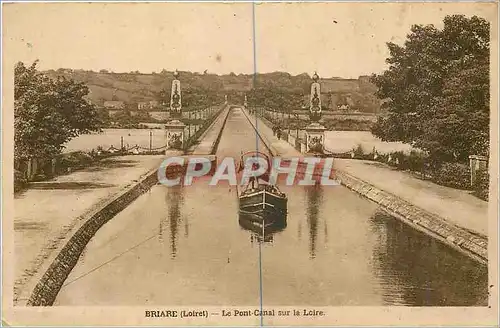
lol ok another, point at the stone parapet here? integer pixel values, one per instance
(473, 245)
(48, 285)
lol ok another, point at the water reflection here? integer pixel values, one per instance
(314, 198)
(299, 231)
(259, 233)
(174, 199)
(186, 227)
(414, 269)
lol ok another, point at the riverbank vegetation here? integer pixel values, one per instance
(47, 114)
(450, 174)
(436, 96)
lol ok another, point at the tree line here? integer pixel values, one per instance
(48, 113)
(436, 90)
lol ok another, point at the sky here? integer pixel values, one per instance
(335, 39)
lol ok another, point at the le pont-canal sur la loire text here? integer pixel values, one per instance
(232, 313)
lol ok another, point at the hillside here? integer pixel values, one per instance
(136, 87)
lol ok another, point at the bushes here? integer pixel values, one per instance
(205, 124)
(481, 185)
(358, 152)
(416, 161)
(398, 160)
(20, 181)
(347, 125)
(75, 160)
(453, 175)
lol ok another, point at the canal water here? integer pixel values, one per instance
(184, 246)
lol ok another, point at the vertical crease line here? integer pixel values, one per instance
(257, 148)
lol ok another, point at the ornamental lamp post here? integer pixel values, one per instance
(315, 100)
(174, 129)
(315, 132)
(175, 96)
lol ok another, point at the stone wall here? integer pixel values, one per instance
(215, 144)
(297, 143)
(47, 288)
(203, 130)
(472, 245)
(208, 141)
(272, 150)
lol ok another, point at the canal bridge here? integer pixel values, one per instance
(184, 245)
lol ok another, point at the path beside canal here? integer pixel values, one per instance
(208, 140)
(278, 147)
(47, 211)
(455, 206)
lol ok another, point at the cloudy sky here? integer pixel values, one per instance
(336, 39)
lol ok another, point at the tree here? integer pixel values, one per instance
(436, 90)
(144, 117)
(48, 113)
(275, 98)
(163, 97)
(103, 117)
(125, 119)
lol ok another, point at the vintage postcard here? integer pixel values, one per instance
(250, 164)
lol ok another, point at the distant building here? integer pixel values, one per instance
(114, 104)
(112, 149)
(113, 112)
(364, 79)
(132, 106)
(161, 115)
(145, 105)
(154, 104)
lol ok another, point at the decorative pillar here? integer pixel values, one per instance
(315, 99)
(315, 138)
(245, 104)
(175, 97)
(225, 99)
(315, 132)
(174, 129)
(175, 134)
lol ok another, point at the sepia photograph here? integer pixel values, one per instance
(250, 164)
